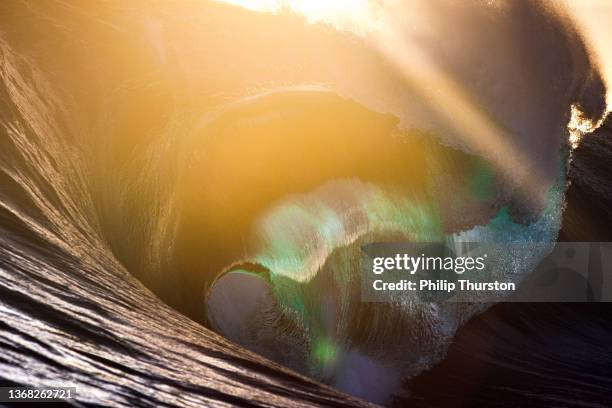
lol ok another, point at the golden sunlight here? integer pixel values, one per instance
(342, 14)
(422, 73)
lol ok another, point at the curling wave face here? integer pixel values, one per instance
(237, 176)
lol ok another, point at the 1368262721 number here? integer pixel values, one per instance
(16, 394)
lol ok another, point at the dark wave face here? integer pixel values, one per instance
(182, 182)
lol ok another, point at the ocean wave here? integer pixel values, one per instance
(138, 165)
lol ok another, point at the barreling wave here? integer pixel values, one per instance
(134, 157)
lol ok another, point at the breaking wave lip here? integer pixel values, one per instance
(69, 303)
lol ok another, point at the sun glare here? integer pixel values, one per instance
(342, 14)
